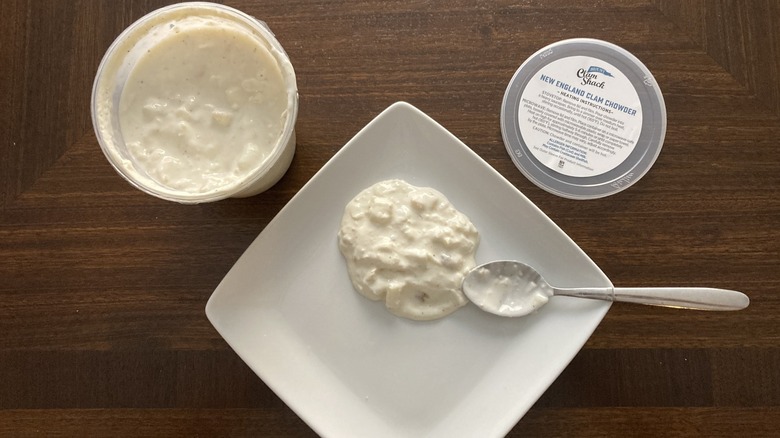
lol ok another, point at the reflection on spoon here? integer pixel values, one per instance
(510, 288)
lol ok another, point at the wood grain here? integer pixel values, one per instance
(102, 288)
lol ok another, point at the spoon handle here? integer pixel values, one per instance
(697, 298)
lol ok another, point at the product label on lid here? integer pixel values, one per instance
(580, 116)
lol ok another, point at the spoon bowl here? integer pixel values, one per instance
(512, 288)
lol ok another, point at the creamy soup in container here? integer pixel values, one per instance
(197, 102)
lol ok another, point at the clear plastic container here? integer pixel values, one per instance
(583, 119)
(126, 52)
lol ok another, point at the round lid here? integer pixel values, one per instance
(583, 119)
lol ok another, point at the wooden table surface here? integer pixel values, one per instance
(103, 288)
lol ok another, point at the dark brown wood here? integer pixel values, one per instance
(103, 289)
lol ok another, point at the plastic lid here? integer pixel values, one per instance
(583, 119)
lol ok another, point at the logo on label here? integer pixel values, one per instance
(595, 69)
(591, 76)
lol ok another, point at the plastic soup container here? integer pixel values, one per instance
(196, 102)
(583, 119)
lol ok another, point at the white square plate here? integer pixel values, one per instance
(346, 365)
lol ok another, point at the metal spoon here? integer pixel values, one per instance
(510, 288)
